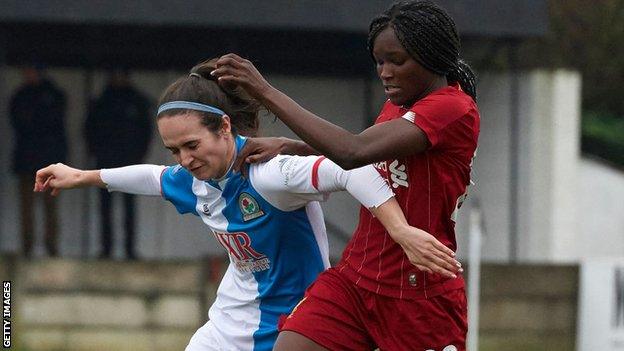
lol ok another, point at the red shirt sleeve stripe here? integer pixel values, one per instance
(315, 171)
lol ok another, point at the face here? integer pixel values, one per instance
(31, 75)
(207, 155)
(405, 80)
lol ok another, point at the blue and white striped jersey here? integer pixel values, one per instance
(270, 224)
(275, 254)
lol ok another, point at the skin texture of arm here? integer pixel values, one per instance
(393, 139)
(423, 249)
(59, 176)
(263, 149)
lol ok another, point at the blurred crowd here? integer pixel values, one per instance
(117, 131)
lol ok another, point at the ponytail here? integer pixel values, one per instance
(463, 74)
(201, 87)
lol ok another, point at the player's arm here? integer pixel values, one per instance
(58, 176)
(370, 189)
(137, 179)
(396, 138)
(309, 178)
(422, 249)
(258, 150)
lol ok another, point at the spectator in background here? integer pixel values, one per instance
(118, 132)
(37, 112)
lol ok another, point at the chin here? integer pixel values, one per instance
(200, 176)
(397, 101)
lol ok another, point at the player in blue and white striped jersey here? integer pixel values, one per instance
(270, 222)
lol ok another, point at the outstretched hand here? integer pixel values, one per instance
(427, 253)
(58, 176)
(235, 70)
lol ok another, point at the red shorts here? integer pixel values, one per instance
(339, 315)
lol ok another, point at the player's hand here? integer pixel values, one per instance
(258, 150)
(235, 70)
(427, 253)
(56, 177)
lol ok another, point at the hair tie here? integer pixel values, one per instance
(193, 74)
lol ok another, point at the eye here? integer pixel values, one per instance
(397, 60)
(174, 151)
(193, 146)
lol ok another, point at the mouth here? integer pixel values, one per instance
(391, 89)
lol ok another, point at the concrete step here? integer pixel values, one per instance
(85, 309)
(557, 315)
(529, 280)
(103, 339)
(142, 276)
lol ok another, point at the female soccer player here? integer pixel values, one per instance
(270, 223)
(423, 143)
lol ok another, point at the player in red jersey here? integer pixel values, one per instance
(423, 142)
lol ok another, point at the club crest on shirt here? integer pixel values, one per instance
(206, 209)
(249, 207)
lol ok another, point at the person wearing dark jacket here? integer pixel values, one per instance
(37, 113)
(118, 132)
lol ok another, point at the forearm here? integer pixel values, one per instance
(335, 142)
(392, 139)
(391, 217)
(296, 147)
(89, 178)
(58, 176)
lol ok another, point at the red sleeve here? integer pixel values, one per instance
(436, 114)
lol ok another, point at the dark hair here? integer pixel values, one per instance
(429, 35)
(199, 86)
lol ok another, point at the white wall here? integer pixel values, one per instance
(549, 169)
(600, 198)
(549, 105)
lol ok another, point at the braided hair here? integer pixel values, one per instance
(429, 35)
(200, 86)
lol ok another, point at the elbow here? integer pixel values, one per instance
(351, 158)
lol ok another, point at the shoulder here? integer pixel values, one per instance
(447, 111)
(272, 173)
(283, 172)
(176, 176)
(52, 87)
(449, 103)
(389, 111)
(22, 92)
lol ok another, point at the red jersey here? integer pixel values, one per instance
(429, 186)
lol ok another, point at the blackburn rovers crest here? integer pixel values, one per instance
(249, 207)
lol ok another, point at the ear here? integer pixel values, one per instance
(226, 125)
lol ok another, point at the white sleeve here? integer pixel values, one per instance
(137, 179)
(289, 182)
(365, 184)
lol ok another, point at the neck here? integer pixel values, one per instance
(231, 156)
(435, 83)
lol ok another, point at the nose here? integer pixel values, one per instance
(385, 72)
(185, 159)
